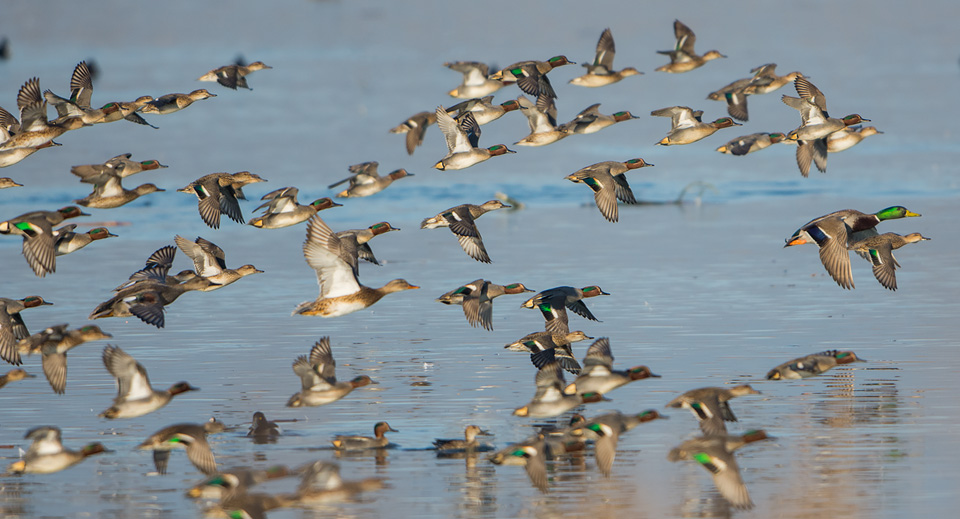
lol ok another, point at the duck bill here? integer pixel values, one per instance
(795, 241)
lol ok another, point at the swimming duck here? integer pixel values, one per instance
(68, 241)
(14, 375)
(209, 261)
(590, 120)
(686, 126)
(81, 92)
(715, 453)
(340, 290)
(135, 396)
(542, 119)
(218, 193)
(35, 130)
(483, 109)
(36, 227)
(598, 375)
(530, 454)
(751, 143)
(365, 181)
(551, 304)
(53, 344)
(477, 297)
(560, 346)
(167, 104)
(763, 81)
(816, 125)
(47, 454)
(608, 183)
(460, 220)
(12, 327)
(462, 139)
(415, 127)
(813, 364)
(359, 238)
(879, 250)
(849, 137)
(475, 82)
(233, 76)
(263, 429)
(683, 58)
(351, 443)
(318, 378)
(605, 431)
(192, 437)
(281, 209)
(550, 400)
(470, 443)
(531, 76)
(835, 231)
(321, 483)
(710, 405)
(601, 72)
(147, 299)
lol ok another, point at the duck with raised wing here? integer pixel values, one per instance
(530, 454)
(751, 143)
(169, 103)
(835, 231)
(9, 127)
(415, 127)
(598, 375)
(353, 443)
(209, 262)
(53, 344)
(318, 378)
(477, 297)
(147, 298)
(281, 209)
(879, 251)
(609, 184)
(14, 375)
(811, 365)
(715, 453)
(763, 81)
(219, 193)
(849, 137)
(365, 180)
(120, 166)
(233, 76)
(475, 82)
(685, 125)
(601, 72)
(340, 290)
(321, 483)
(816, 125)
(462, 138)
(189, 436)
(683, 57)
(531, 76)
(605, 431)
(35, 130)
(39, 244)
(710, 405)
(542, 119)
(461, 221)
(47, 454)
(222, 483)
(135, 396)
(550, 400)
(551, 304)
(81, 92)
(108, 192)
(590, 120)
(12, 327)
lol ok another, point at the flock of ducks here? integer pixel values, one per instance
(335, 255)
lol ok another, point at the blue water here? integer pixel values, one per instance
(702, 292)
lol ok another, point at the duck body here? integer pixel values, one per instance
(879, 251)
(686, 127)
(601, 72)
(135, 396)
(12, 327)
(751, 143)
(812, 365)
(552, 304)
(550, 400)
(542, 119)
(353, 443)
(281, 209)
(590, 120)
(715, 454)
(188, 436)
(598, 375)
(47, 454)
(462, 138)
(36, 227)
(469, 443)
(365, 180)
(710, 406)
(477, 297)
(53, 344)
(461, 222)
(683, 58)
(319, 385)
(475, 81)
(848, 137)
(169, 103)
(233, 76)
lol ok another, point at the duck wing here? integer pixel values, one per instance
(336, 274)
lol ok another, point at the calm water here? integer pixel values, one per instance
(702, 293)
